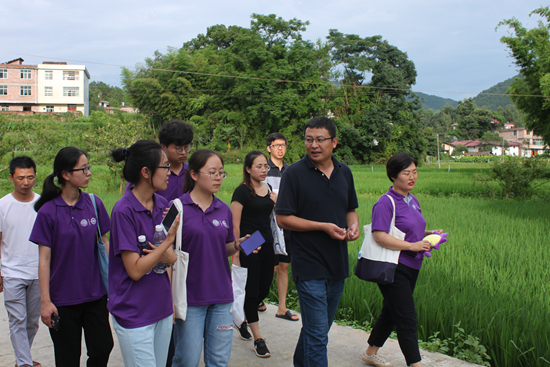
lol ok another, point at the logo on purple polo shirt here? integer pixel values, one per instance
(216, 222)
(84, 223)
(224, 224)
(414, 207)
(93, 221)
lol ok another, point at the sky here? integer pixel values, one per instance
(453, 43)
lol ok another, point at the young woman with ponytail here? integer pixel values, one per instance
(70, 283)
(140, 300)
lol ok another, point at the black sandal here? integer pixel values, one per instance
(262, 307)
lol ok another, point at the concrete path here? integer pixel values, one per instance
(346, 346)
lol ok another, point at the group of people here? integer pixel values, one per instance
(314, 201)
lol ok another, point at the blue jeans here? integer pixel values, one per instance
(318, 303)
(211, 323)
(145, 346)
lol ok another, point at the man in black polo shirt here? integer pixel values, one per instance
(317, 203)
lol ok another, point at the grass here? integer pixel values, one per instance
(491, 277)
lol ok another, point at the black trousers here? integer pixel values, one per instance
(93, 317)
(258, 281)
(398, 311)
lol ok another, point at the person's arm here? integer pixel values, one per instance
(105, 240)
(137, 266)
(352, 220)
(1, 280)
(236, 211)
(294, 223)
(47, 307)
(392, 243)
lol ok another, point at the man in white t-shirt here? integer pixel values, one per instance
(19, 258)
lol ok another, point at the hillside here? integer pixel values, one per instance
(434, 102)
(492, 102)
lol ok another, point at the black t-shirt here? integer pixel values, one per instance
(256, 213)
(307, 193)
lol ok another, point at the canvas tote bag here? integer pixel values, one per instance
(101, 251)
(279, 245)
(179, 272)
(376, 263)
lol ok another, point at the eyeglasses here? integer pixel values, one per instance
(180, 150)
(319, 140)
(215, 175)
(84, 170)
(262, 167)
(278, 146)
(167, 167)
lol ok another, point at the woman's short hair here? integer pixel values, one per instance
(398, 163)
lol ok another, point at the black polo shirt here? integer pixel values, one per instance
(307, 193)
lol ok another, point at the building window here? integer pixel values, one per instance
(25, 90)
(3, 73)
(48, 75)
(49, 108)
(537, 142)
(25, 74)
(71, 107)
(4, 108)
(70, 75)
(48, 91)
(3, 90)
(70, 91)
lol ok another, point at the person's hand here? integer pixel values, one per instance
(421, 246)
(437, 231)
(273, 196)
(241, 240)
(353, 232)
(334, 231)
(46, 311)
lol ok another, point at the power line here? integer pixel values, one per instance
(276, 80)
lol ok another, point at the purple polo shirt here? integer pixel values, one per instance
(136, 304)
(204, 236)
(408, 219)
(70, 233)
(175, 184)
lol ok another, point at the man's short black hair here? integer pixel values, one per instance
(21, 162)
(321, 122)
(274, 136)
(176, 132)
(398, 163)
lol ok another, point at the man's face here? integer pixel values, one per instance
(176, 154)
(319, 152)
(277, 148)
(23, 180)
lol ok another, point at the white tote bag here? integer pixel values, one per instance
(279, 245)
(238, 279)
(376, 263)
(179, 272)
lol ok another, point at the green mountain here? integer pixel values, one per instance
(492, 101)
(434, 102)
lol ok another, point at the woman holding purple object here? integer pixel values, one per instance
(207, 235)
(140, 300)
(70, 283)
(398, 308)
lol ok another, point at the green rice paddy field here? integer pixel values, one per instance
(491, 276)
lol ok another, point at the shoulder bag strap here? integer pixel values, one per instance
(393, 204)
(92, 196)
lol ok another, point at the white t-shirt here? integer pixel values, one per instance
(19, 255)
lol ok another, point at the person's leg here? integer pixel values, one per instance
(171, 348)
(335, 288)
(218, 335)
(311, 349)
(97, 332)
(189, 336)
(136, 345)
(67, 341)
(252, 289)
(382, 328)
(15, 300)
(163, 332)
(282, 288)
(33, 309)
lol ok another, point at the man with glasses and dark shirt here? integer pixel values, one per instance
(276, 146)
(317, 203)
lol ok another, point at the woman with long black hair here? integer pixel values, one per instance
(70, 283)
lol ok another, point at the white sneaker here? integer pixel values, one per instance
(376, 360)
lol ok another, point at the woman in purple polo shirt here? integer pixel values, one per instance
(398, 308)
(207, 235)
(252, 204)
(70, 283)
(140, 300)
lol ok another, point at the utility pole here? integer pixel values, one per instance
(438, 160)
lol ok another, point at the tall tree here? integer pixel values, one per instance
(531, 50)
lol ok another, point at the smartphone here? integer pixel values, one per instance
(252, 242)
(55, 321)
(170, 218)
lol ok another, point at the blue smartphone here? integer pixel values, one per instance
(252, 242)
